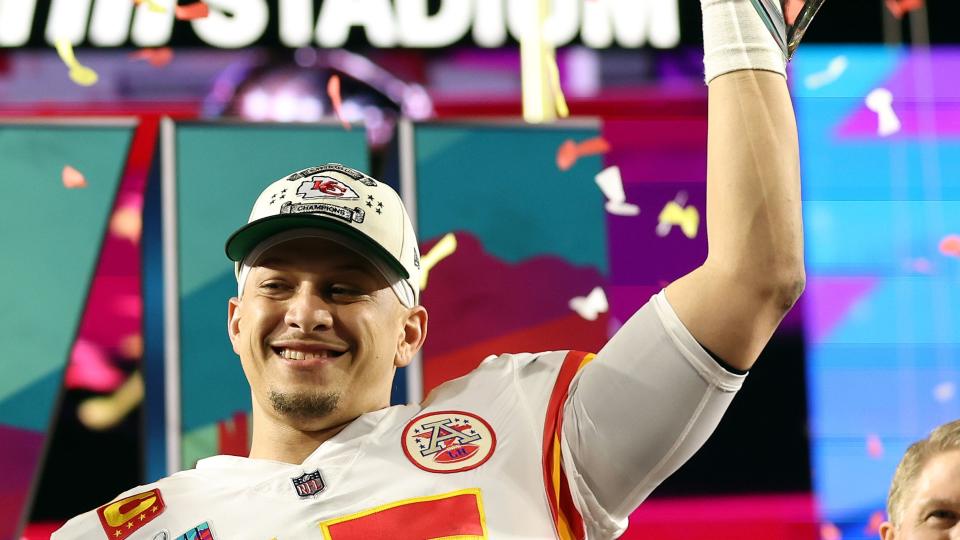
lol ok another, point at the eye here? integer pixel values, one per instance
(273, 286)
(341, 290)
(942, 515)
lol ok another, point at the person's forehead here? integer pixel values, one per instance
(939, 480)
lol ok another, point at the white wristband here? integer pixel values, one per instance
(735, 38)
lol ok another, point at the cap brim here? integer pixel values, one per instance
(250, 235)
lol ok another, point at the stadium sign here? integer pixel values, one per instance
(330, 23)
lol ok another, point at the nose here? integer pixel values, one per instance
(308, 312)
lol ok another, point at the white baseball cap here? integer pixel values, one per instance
(367, 216)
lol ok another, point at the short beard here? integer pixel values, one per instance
(303, 405)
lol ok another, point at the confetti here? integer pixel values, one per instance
(72, 178)
(443, 249)
(873, 524)
(152, 5)
(156, 57)
(834, 70)
(570, 151)
(590, 306)
(920, 265)
(79, 73)
(950, 245)
(611, 184)
(944, 391)
(126, 223)
(829, 531)
(880, 101)
(197, 10)
(874, 446)
(104, 412)
(131, 346)
(899, 8)
(333, 90)
(542, 96)
(676, 212)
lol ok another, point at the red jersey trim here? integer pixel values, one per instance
(568, 520)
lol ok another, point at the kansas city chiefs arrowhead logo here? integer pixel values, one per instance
(325, 187)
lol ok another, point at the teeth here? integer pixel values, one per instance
(300, 355)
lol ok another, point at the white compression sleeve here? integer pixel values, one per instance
(637, 412)
(735, 38)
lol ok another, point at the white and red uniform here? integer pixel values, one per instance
(548, 445)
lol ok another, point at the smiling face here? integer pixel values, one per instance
(320, 334)
(931, 509)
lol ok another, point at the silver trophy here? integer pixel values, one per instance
(787, 20)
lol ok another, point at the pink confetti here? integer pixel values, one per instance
(72, 178)
(873, 524)
(156, 57)
(950, 245)
(874, 446)
(570, 151)
(921, 265)
(333, 90)
(829, 531)
(899, 8)
(198, 10)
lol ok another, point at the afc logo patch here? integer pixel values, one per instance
(448, 441)
(325, 187)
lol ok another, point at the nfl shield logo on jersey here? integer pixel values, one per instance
(308, 484)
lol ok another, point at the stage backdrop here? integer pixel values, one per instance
(880, 138)
(51, 229)
(529, 238)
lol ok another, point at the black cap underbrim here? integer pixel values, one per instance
(242, 242)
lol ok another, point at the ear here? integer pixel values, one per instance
(887, 531)
(412, 335)
(233, 322)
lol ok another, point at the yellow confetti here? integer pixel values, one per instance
(443, 249)
(79, 73)
(688, 218)
(152, 5)
(543, 99)
(104, 412)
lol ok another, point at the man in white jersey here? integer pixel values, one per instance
(549, 445)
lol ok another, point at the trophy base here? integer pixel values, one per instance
(787, 21)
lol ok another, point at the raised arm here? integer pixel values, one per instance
(753, 273)
(653, 395)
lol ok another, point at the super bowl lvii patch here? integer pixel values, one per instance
(448, 441)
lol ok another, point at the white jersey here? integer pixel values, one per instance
(549, 445)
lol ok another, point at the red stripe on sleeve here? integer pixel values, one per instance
(565, 515)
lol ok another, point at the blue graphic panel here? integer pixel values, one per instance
(881, 193)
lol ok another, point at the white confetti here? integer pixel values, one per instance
(611, 184)
(880, 101)
(944, 391)
(834, 70)
(590, 306)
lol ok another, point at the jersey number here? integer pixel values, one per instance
(458, 514)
